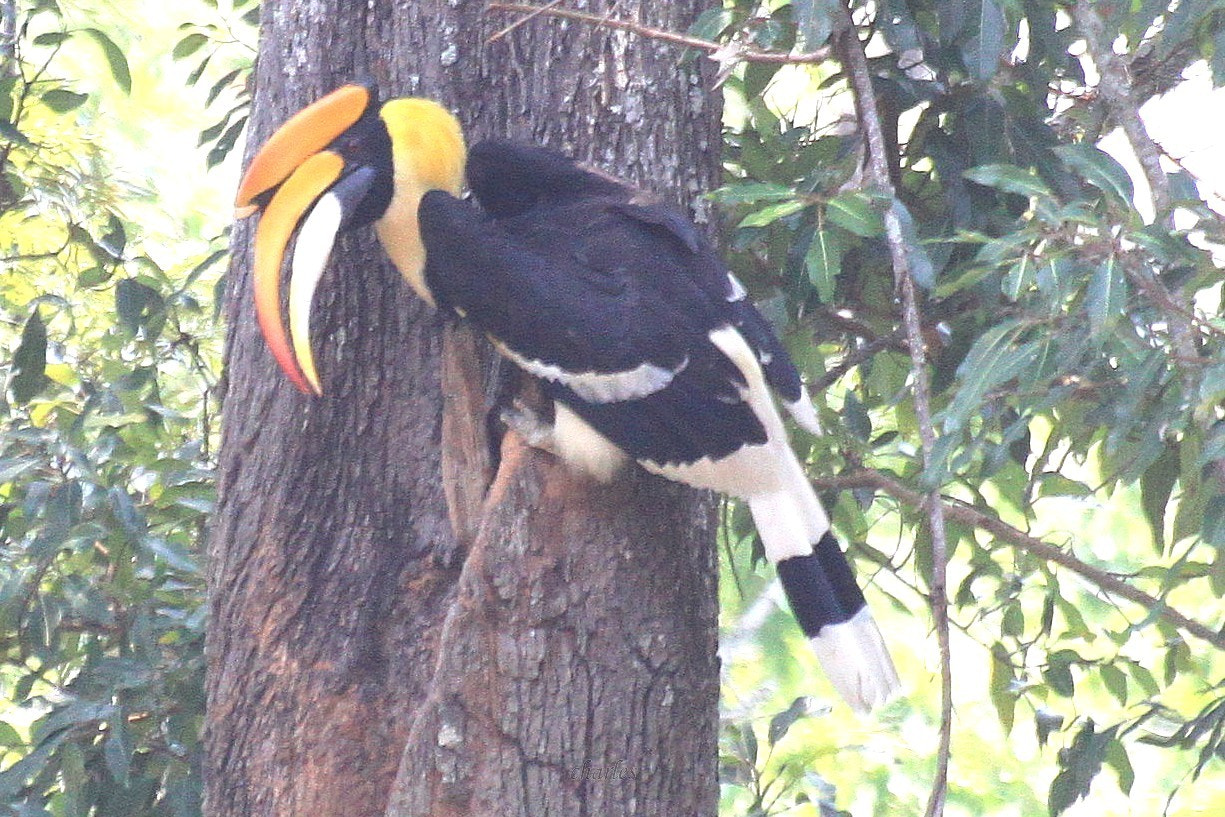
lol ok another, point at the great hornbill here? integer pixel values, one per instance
(648, 347)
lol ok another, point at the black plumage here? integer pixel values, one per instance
(647, 346)
(572, 269)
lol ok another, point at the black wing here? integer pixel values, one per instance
(578, 279)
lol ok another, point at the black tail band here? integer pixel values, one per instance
(820, 587)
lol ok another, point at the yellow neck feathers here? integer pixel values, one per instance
(427, 146)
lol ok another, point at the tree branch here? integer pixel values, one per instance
(855, 66)
(721, 52)
(1115, 87)
(965, 514)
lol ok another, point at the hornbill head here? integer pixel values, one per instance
(343, 162)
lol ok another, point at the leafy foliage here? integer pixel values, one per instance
(1075, 345)
(105, 464)
(1076, 352)
(222, 50)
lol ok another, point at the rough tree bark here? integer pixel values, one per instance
(538, 645)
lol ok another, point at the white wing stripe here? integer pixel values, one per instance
(600, 387)
(737, 290)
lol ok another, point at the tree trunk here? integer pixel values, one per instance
(395, 628)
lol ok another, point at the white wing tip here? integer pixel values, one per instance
(804, 413)
(856, 661)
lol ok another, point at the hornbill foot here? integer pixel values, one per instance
(528, 424)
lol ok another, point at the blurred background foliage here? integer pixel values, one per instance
(1076, 354)
(110, 249)
(1077, 362)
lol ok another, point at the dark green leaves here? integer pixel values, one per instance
(115, 58)
(62, 101)
(30, 360)
(816, 20)
(1008, 178)
(984, 49)
(781, 723)
(1099, 169)
(771, 213)
(189, 45)
(1079, 765)
(1107, 296)
(138, 305)
(855, 213)
(711, 23)
(823, 261)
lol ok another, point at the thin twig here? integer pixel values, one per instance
(965, 514)
(527, 18)
(731, 52)
(855, 66)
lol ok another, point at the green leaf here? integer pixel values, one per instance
(200, 68)
(966, 278)
(136, 303)
(1045, 722)
(226, 143)
(921, 268)
(896, 22)
(1056, 484)
(62, 100)
(125, 511)
(1080, 763)
(30, 360)
(1156, 485)
(118, 752)
(16, 776)
(772, 213)
(172, 555)
(856, 213)
(1099, 169)
(118, 63)
(220, 85)
(1009, 178)
(1117, 759)
(1214, 522)
(51, 38)
(711, 23)
(189, 45)
(11, 134)
(1106, 301)
(748, 744)
(984, 50)
(815, 20)
(1019, 278)
(993, 360)
(1115, 681)
(1058, 672)
(115, 240)
(823, 262)
(1002, 696)
(749, 192)
(783, 721)
(856, 417)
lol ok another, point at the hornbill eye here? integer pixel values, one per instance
(332, 167)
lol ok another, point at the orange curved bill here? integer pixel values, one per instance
(306, 133)
(297, 194)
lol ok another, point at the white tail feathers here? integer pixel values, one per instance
(779, 517)
(804, 413)
(821, 589)
(791, 518)
(856, 661)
